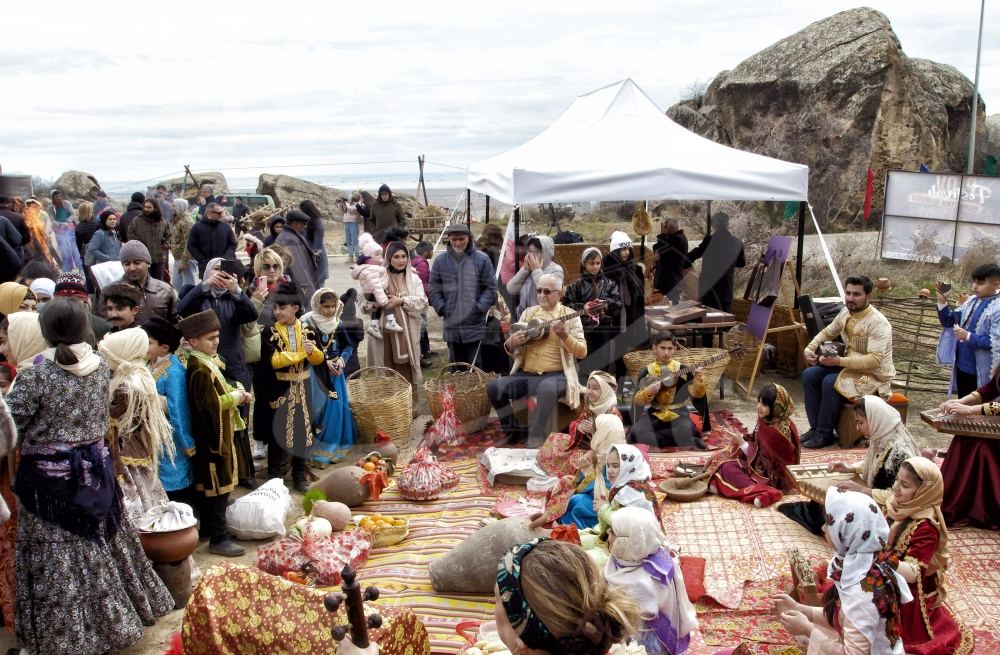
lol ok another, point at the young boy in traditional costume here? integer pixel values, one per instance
(139, 426)
(666, 422)
(215, 417)
(970, 340)
(171, 384)
(290, 348)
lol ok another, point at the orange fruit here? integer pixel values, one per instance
(399, 522)
(368, 466)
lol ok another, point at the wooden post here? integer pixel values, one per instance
(517, 236)
(487, 210)
(420, 182)
(800, 250)
(468, 208)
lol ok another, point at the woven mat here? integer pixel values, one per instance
(744, 548)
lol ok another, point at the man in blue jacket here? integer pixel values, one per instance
(462, 290)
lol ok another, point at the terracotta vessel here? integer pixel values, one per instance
(169, 547)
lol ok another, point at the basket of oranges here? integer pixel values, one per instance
(385, 530)
(374, 461)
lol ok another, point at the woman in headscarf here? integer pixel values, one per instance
(15, 297)
(537, 262)
(918, 537)
(862, 609)
(42, 288)
(594, 287)
(140, 431)
(551, 600)
(561, 453)
(644, 566)
(331, 410)
(24, 347)
(274, 228)
(756, 470)
(889, 445)
(84, 584)
(400, 351)
(629, 323)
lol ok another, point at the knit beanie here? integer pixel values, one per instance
(133, 251)
(163, 331)
(138, 197)
(71, 285)
(199, 324)
(591, 251)
(123, 291)
(620, 240)
(368, 246)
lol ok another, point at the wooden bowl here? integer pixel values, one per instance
(169, 547)
(687, 494)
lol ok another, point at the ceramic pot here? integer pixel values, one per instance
(169, 547)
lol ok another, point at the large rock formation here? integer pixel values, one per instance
(840, 96)
(77, 186)
(289, 191)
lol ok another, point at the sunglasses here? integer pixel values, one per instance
(270, 267)
(546, 292)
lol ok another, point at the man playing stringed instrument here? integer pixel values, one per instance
(667, 421)
(545, 366)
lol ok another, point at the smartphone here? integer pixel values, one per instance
(262, 282)
(232, 267)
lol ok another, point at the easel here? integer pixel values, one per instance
(787, 277)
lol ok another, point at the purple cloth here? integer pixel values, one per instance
(660, 567)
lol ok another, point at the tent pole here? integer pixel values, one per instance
(487, 210)
(468, 207)
(517, 237)
(800, 248)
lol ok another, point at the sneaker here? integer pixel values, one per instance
(227, 548)
(392, 325)
(374, 329)
(258, 449)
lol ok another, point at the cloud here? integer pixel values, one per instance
(132, 90)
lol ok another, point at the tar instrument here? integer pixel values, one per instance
(814, 479)
(973, 425)
(831, 349)
(537, 328)
(670, 379)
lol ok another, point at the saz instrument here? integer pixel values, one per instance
(973, 425)
(537, 328)
(672, 378)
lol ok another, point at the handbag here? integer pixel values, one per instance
(251, 342)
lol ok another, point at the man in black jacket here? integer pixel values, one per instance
(134, 209)
(671, 250)
(723, 254)
(210, 238)
(462, 289)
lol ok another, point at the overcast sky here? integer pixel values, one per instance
(135, 90)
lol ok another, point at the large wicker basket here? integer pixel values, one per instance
(637, 360)
(381, 401)
(468, 391)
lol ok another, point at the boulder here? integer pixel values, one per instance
(289, 191)
(840, 96)
(214, 179)
(77, 186)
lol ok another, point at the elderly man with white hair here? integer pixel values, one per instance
(545, 366)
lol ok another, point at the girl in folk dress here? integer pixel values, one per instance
(757, 471)
(644, 565)
(918, 537)
(562, 454)
(84, 584)
(331, 409)
(861, 611)
(139, 425)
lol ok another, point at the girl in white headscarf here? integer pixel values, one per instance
(563, 454)
(643, 564)
(862, 610)
(889, 445)
(24, 338)
(140, 430)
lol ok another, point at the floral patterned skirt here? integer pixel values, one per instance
(81, 597)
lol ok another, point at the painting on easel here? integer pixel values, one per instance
(765, 285)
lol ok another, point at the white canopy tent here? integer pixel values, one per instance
(616, 144)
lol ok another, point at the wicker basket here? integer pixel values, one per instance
(381, 401)
(637, 360)
(472, 405)
(390, 536)
(739, 368)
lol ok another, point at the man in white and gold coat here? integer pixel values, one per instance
(865, 368)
